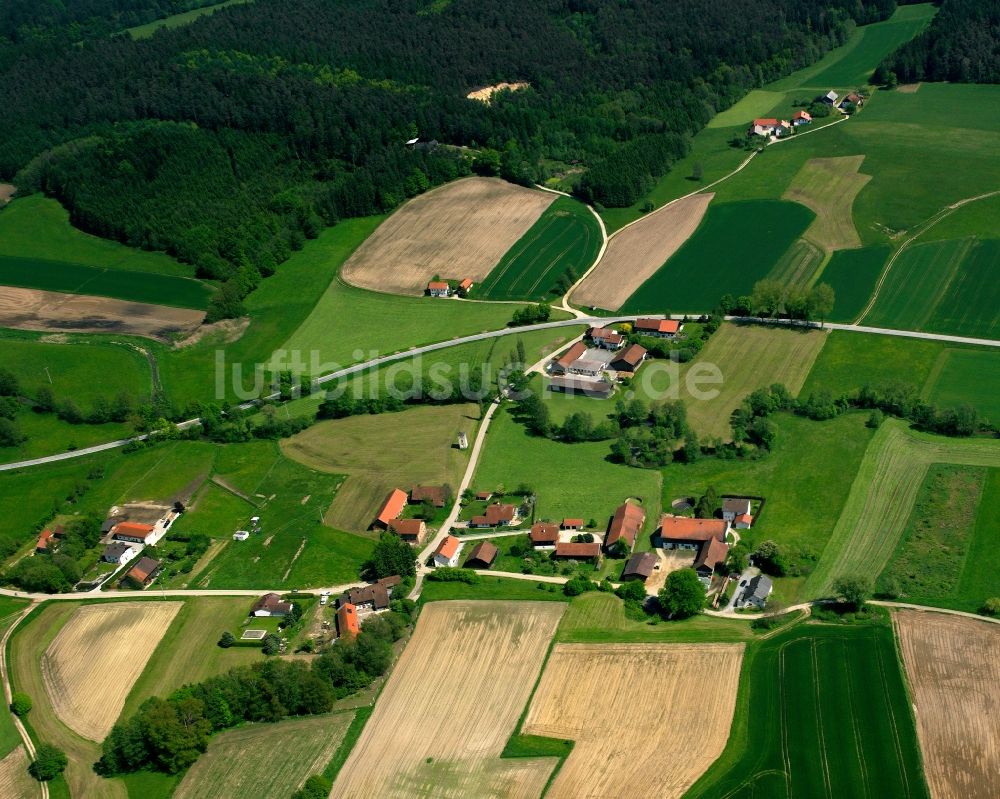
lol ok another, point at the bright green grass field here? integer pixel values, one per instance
(177, 20)
(943, 287)
(73, 278)
(736, 245)
(37, 227)
(570, 480)
(966, 376)
(565, 237)
(853, 275)
(822, 711)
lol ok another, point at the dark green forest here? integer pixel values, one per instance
(230, 141)
(962, 44)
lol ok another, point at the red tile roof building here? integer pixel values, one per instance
(571, 356)
(572, 524)
(630, 358)
(482, 556)
(708, 536)
(132, 531)
(144, 571)
(657, 327)
(543, 534)
(445, 554)
(432, 494)
(625, 525)
(581, 551)
(391, 508)
(347, 621)
(497, 515)
(410, 530)
(43, 540)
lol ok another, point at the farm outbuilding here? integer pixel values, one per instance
(640, 566)
(347, 621)
(410, 530)
(625, 525)
(391, 508)
(543, 535)
(482, 556)
(145, 571)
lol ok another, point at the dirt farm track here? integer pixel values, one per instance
(459, 230)
(953, 665)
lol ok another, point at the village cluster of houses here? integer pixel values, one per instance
(413, 531)
(590, 367)
(772, 127)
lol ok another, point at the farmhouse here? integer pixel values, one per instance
(830, 98)
(145, 571)
(625, 525)
(137, 533)
(571, 524)
(581, 551)
(482, 556)
(44, 539)
(572, 355)
(658, 328)
(347, 621)
(640, 566)
(605, 337)
(757, 590)
(410, 530)
(630, 359)
(270, 605)
(447, 552)
(854, 99)
(769, 127)
(370, 597)
(801, 117)
(438, 288)
(733, 507)
(118, 552)
(705, 536)
(497, 515)
(391, 508)
(590, 388)
(543, 535)
(466, 285)
(436, 495)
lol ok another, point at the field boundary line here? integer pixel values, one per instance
(824, 762)
(29, 746)
(892, 717)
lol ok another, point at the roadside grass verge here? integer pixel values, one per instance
(565, 238)
(492, 588)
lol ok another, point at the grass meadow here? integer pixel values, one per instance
(822, 711)
(178, 20)
(10, 609)
(736, 245)
(853, 275)
(565, 237)
(966, 376)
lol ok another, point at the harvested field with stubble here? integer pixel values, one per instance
(247, 763)
(953, 665)
(828, 186)
(459, 230)
(14, 778)
(642, 723)
(91, 665)
(637, 252)
(451, 704)
(53, 311)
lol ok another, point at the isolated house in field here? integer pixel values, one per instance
(706, 537)
(412, 531)
(657, 328)
(118, 552)
(145, 571)
(640, 566)
(482, 556)
(733, 507)
(438, 288)
(347, 621)
(769, 127)
(605, 338)
(561, 365)
(543, 535)
(597, 389)
(757, 590)
(630, 359)
(136, 533)
(801, 117)
(447, 552)
(436, 495)
(571, 524)
(625, 525)
(391, 509)
(581, 551)
(830, 98)
(270, 605)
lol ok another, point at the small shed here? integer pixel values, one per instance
(482, 556)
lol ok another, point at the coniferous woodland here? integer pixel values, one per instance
(229, 141)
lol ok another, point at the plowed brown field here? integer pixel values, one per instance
(953, 665)
(459, 230)
(93, 662)
(648, 719)
(634, 254)
(450, 705)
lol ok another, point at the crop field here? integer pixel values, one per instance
(822, 711)
(799, 265)
(952, 665)
(177, 20)
(565, 237)
(466, 674)
(187, 652)
(853, 275)
(828, 186)
(748, 357)
(247, 763)
(562, 475)
(459, 230)
(966, 376)
(91, 665)
(736, 245)
(882, 497)
(658, 748)
(38, 228)
(943, 287)
(636, 253)
(382, 452)
(14, 778)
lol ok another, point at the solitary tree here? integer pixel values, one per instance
(821, 300)
(852, 591)
(48, 764)
(683, 594)
(20, 704)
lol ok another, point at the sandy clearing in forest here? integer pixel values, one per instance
(648, 719)
(14, 777)
(6, 192)
(908, 88)
(450, 705)
(953, 665)
(459, 230)
(638, 251)
(34, 309)
(485, 94)
(95, 659)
